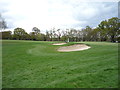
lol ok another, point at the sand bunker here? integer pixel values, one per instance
(59, 43)
(76, 47)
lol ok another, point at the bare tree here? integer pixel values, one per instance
(3, 24)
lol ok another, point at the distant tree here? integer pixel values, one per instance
(32, 35)
(6, 35)
(59, 34)
(3, 24)
(67, 35)
(35, 34)
(87, 33)
(26, 36)
(103, 30)
(54, 37)
(42, 37)
(36, 30)
(47, 36)
(73, 33)
(64, 35)
(80, 35)
(114, 28)
(51, 35)
(19, 34)
(95, 34)
(109, 29)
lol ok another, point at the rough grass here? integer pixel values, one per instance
(36, 64)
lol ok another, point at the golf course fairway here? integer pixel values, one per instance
(38, 64)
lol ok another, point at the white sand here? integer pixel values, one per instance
(76, 47)
(59, 43)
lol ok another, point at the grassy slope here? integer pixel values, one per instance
(35, 64)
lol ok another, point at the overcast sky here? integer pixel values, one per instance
(46, 14)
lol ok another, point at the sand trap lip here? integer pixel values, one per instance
(58, 43)
(76, 47)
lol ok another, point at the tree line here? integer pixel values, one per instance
(107, 30)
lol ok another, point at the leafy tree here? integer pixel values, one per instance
(87, 33)
(32, 36)
(35, 33)
(19, 34)
(103, 30)
(114, 28)
(47, 36)
(109, 29)
(6, 35)
(42, 37)
(64, 36)
(95, 34)
(36, 30)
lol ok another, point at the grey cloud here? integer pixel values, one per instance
(103, 11)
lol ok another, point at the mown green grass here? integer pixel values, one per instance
(38, 64)
(0, 64)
